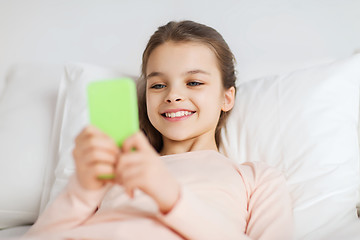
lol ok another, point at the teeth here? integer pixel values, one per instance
(178, 114)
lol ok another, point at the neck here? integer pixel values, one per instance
(194, 144)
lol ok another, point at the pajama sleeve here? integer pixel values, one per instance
(70, 209)
(269, 205)
(196, 219)
(268, 211)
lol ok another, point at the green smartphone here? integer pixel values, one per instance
(113, 108)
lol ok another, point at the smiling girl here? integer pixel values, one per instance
(175, 185)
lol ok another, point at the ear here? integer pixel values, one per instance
(229, 99)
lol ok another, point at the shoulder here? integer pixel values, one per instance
(260, 180)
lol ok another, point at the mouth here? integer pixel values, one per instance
(177, 115)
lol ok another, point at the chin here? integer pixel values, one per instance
(178, 137)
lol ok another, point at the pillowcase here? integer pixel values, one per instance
(26, 117)
(304, 123)
(71, 118)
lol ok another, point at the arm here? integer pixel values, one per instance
(70, 209)
(95, 153)
(196, 218)
(268, 213)
(269, 206)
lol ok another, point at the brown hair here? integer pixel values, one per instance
(185, 31)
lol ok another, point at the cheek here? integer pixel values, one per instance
(211, 105)
(211, 99)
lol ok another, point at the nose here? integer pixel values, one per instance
(174, 96)
(175, 100)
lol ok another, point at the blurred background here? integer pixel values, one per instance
(266, 36)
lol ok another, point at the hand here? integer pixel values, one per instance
(139, 166)
(95, 154)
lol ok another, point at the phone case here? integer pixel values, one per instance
(113, 107)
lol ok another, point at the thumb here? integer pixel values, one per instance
(137, 142)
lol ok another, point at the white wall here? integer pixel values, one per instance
(265, 35)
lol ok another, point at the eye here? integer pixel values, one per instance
(194, 83)
(157, 86)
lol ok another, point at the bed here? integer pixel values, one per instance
(297, 106)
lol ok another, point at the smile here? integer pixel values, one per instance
(178, 114)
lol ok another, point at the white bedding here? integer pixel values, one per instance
(345, 231)
(13, 232)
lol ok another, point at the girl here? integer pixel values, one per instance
(175, 185)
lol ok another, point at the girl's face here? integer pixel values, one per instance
(184, 92)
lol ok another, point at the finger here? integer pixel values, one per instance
(98, 156)
(127, 160)
(137, 141)
(125, 163)
(104, 144)
(128, 167)
(96, 142)
(101, 171)
(86, 132)
(131, 180)
(91, 132)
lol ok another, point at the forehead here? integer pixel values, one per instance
(179, 57)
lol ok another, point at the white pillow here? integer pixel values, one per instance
(26, 116)
(71, 118)
(304, 123)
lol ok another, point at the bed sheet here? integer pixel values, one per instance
(345, 230)
(349, 231)
(13, 232)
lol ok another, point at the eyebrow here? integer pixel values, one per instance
(191, 72)
(154, 74)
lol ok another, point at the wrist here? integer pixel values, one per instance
(88, 183)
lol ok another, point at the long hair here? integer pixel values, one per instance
(185, 31)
